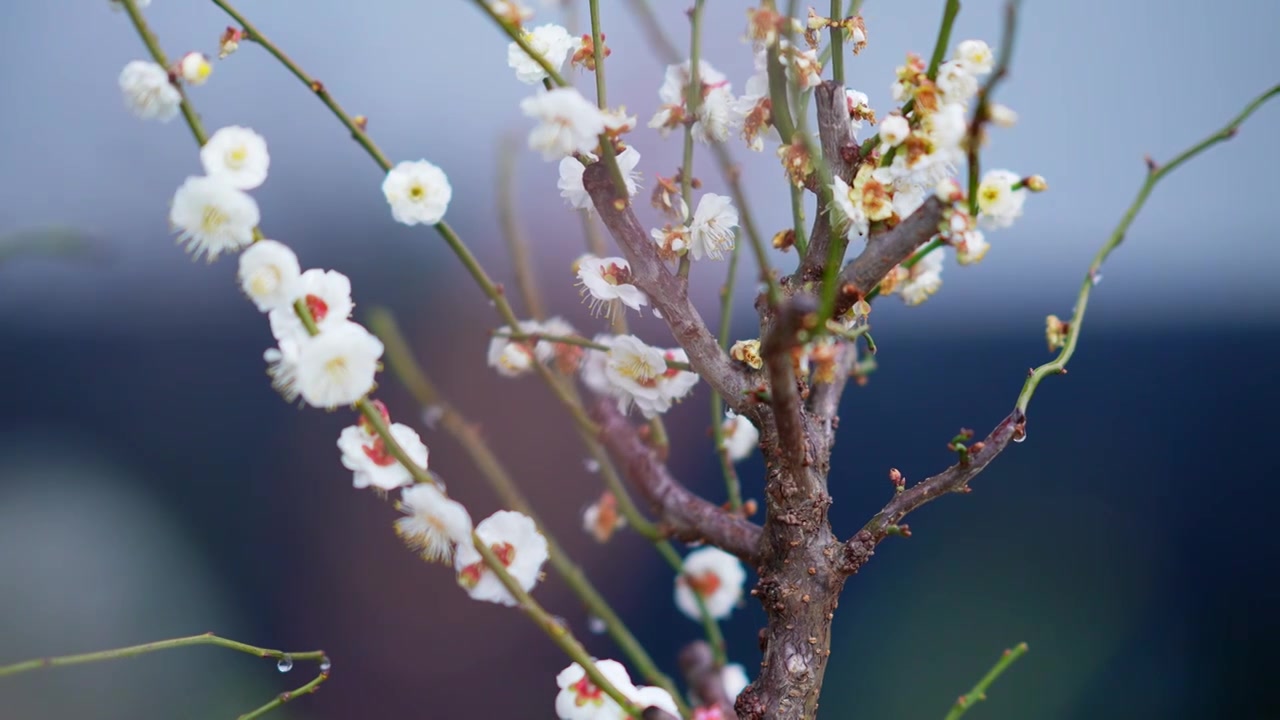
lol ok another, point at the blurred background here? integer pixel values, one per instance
(152, 484)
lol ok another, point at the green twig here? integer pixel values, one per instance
(837, 45)
(733, 486)
(949, 14)
(979, 691)
(982, 113)
(1155, 174)
(317, 656)
(157, 53)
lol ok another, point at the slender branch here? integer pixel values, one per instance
(578, 342)
(949, 14)
(410, 372)
(781, 110)
(554, 628)
(953, 479)
(827, 248)
(885, 252)
(837, 45)
(854, 7)
(288, 696)
(670, 296)
(982, 113)
(597, 55)
(156, 646)
(797, 220)
(732, 176)
(513, 232)
(317, 656)
(317, 87)
(157, 53)
(1154, 175)
(733, 488)
(689, 517)
(692, 103)
(979, 691)
(517, 35)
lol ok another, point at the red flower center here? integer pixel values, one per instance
(704, 584)
(378, 453)
(506, 553)
(318, 308)
(587, 693)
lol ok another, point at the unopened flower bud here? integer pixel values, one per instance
(194, 68)
(229, 42)
(1055, 332)
(1002, 115)
(1035, 183)
(784, 239)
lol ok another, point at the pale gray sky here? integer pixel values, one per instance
(1097, 84)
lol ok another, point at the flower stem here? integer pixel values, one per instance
(513, 232)
(797, 219)
(597, 54)
(837, 45)
(1154, 175)
(979, 691)
(411, 374)
(553, 627)
(317, 87)
(853, 8)
(157, 53)
(733, 487)
(949, 14)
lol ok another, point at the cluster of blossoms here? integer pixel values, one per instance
(322, 356)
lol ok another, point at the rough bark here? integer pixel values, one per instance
(683, 514)
(885, 252)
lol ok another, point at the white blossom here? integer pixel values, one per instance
(282, 368)
(711, 232)
(236, 155)
(859, 104)
(570, 182)
(593, 366)
(195, 68)
(546, 351)
(327, 295)
(371, 461)
(976, 55)
(638, 373)
(647, 697)
(212, 217)
(581, 699)
(894, 130)
(924, 278)
(740, 436)
(515, 539)
(971, 247)
(957, 81)
(999, 204)
(847, 209)
(568, 123)
(337, 366)
(716, 576)
(148, 92)
(433, 524)
(608, 282)
(418, 192)
(269, 275)
(552, 42)
(512, 358)
(734, 678)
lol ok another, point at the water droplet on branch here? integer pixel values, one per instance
(285, 664)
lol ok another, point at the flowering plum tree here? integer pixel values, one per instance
(898, 191)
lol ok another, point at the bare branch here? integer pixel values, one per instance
(885, 252)
(697, 661)
(687, 516)
(670, 295)
(954, 479)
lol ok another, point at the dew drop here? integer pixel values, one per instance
(592, 465)
(595, 625)
(285, 664)
(1096, 278)
(1020, 437)
(325, 663)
